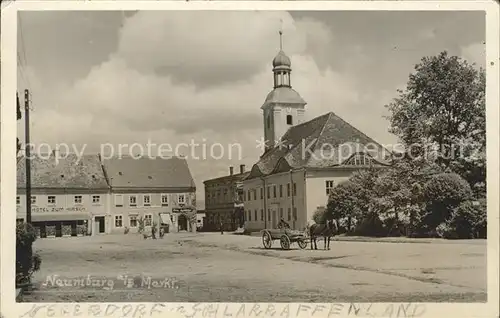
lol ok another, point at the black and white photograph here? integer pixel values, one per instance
(293, 155)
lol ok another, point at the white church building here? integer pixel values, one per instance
(303, 160)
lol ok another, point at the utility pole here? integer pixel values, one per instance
(293, 203)
(27, 154)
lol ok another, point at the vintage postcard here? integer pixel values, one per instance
(240, 159)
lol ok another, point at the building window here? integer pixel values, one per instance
(294, 188)
(281, 190)
(358, 160)
(148, 220)
(255, 215)
(289, 120)
(181, 199)
(249, 215)
(289, 214)
(18, 200)
(118, 200)
(329, 186)
(33, 199)
(133, 221)
(51, 199)
(20, 221)
(255, 194)
(261, 193)
(288, 189)
(249, 196)
(147, 200)
(262, 214)
(274, 191)
(78, 199)
(295, 214)
(132, 200)
(281, 213)
(164, 200)
(96, 199)
(269, 214)
(268, 192)
(118, 221)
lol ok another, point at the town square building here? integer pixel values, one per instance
(152, 190)
(303, 160)
(66, 193)
(87, 195)
(224, 201)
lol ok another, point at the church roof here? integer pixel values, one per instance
(284, 95)
(323, 142)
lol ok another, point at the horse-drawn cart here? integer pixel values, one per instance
(286, 237)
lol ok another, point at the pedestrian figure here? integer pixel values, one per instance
(221, 228)
(153, 232)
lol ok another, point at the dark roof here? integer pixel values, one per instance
(47, 171)
(235, 177)
(331, 141)
(128, 172)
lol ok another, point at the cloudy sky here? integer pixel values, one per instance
(173, 77)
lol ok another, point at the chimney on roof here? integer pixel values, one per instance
(231, 169)
(242, 168)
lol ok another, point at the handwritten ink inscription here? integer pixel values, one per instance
(94, 310)
(210, 310)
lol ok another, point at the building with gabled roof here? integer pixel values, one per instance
(66, 193)
(80, 195)
(156, 190)
(302, 160)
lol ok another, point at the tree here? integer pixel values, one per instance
(343, 203)
(442, 116)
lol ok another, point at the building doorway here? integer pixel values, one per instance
(274, 211)
(99, 224)
(182, 222)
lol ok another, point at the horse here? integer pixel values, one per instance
(325, 230)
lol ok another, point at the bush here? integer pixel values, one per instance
(371, 225)
(468, 220)
(27, 262)
(319, 216)
(443, 193)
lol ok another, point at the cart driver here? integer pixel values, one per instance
(284, 223)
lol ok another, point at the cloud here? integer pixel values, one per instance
(192, 78)
(181, 77)
(475, 53)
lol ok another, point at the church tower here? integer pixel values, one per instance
(283, 107)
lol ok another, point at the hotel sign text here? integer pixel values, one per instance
(57, 209)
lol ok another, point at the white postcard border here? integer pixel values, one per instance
(8, 173)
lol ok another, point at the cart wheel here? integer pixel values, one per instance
(302, 243)
(285, 242)
(266, 240)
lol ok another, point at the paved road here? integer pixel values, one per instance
(232, 268)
